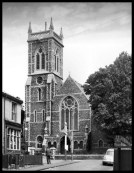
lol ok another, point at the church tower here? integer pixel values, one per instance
(45, 75)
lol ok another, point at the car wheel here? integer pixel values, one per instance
(103, 163)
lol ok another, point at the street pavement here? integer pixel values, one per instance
(95, 165)
(66, 165)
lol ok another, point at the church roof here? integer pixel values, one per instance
(71, 86)
(80, 87)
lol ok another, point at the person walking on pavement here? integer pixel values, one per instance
(48, 155)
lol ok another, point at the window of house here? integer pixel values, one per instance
(100, 143)
(69, 113)
(39, 141)
(14, 111)
(13, 139)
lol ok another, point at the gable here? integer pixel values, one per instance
(69, 87)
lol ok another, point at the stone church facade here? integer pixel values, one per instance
(49, 102)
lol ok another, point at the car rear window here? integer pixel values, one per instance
(111, 153)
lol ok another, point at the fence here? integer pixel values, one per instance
(17, 160)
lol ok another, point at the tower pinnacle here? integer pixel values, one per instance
(29, 29)
(61, 34)
(51, 25)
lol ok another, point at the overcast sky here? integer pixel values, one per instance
(94, 35)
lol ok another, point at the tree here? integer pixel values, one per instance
(110, 96)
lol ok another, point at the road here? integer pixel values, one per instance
(84, 165)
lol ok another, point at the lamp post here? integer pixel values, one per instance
(65, 131)
(26, 131)
(72, 137)
(44, 141)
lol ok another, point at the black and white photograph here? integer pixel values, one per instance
(66, 86)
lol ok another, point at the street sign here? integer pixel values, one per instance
(66, 147)
(44, 141)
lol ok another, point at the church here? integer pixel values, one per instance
(49, 102)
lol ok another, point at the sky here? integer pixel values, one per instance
(94, 36)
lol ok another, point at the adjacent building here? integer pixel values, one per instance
(11, 124)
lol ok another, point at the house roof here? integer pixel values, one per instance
(16, 99)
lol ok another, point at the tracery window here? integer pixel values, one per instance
(69, 113)
(40, 60)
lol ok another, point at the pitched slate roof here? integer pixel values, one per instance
(71, 86)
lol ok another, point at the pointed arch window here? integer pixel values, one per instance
(55, 61)
(100, 143)
(37, 61)
(39, 94)
(39, 141)
(53, 89)
(43, 61)
(35, 116)
(69, 113)
(43, 115)
(57, 64)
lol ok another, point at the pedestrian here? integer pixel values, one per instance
(48, 155)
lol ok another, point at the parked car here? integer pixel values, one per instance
(108, 157)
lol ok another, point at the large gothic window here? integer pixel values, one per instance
(69, 113)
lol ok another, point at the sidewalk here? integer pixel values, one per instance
(54, 163)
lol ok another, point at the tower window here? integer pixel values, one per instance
(39, 92)
(44, 116)
(37, 61)
(35, 117)
(55, 61)
(39, 80)
(69, 113)
(57, 64)
(43, 61)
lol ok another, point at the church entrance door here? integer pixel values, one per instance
(62, 145)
